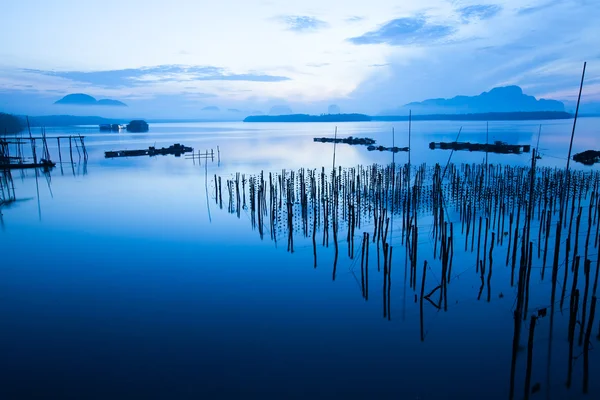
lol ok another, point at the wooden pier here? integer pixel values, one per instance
(13, 151)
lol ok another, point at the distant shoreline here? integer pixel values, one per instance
(493, 116)
(72, 120)
(309, 118)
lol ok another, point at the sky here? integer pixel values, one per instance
(174, 58)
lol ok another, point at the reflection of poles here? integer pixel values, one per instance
(362, 265)
(389, 286)
(385, 278)
(586, 272)
(586, 346)
(572, 324)
(515, 348)
(421, 300)
(489, 278)
(529, 356)
(367, 268)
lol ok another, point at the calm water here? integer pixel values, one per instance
(123, 278)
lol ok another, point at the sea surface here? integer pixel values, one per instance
(127, 278)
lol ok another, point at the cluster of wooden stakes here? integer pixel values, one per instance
(537, 214)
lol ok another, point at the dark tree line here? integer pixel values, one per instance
(10, 123)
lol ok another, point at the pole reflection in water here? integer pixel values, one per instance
(428, 203)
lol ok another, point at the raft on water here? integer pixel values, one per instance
(349, 140)
(176, 150)
(394, 149)
(588, 157)
(46, 164)
(496, 147)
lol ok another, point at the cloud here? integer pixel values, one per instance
(317, 65)
(379, 65)
(355, 18)
(479, 11)
(534, 9)
(132, 77)
(405, 31)
(302, 23)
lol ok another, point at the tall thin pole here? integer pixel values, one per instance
(334, 144)
(576, 113)
(409, 128)
(537, 146)
(487, 130)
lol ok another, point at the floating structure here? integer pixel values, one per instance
(112, 127)
(588, 157)
(349, 140)
(43, 163)
(176, 150)
(137, 125)
(14, 152)
(394, 149)
(496, 147)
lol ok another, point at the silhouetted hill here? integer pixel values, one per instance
(211, 108)
(493, 116)
(82, 99)
(110, 102)
(500, 99)
(308, 118)
(10, 124)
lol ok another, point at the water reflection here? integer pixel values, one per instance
(299, 205)
(153, 283)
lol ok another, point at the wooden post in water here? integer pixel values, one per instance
(564, 289)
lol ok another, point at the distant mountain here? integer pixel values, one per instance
(211, 108)
(82, 99)
(492, 116)
(501, 116)
(234, 110)
(280, 110)
(500, 99)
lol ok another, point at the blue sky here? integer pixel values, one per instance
(172, 58)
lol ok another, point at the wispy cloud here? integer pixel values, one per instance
(534, 9)
(379, 65)
(161, 73)
(405, 31)
(355, 18)
(302, 23)
(317, 65)
(479, 11)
